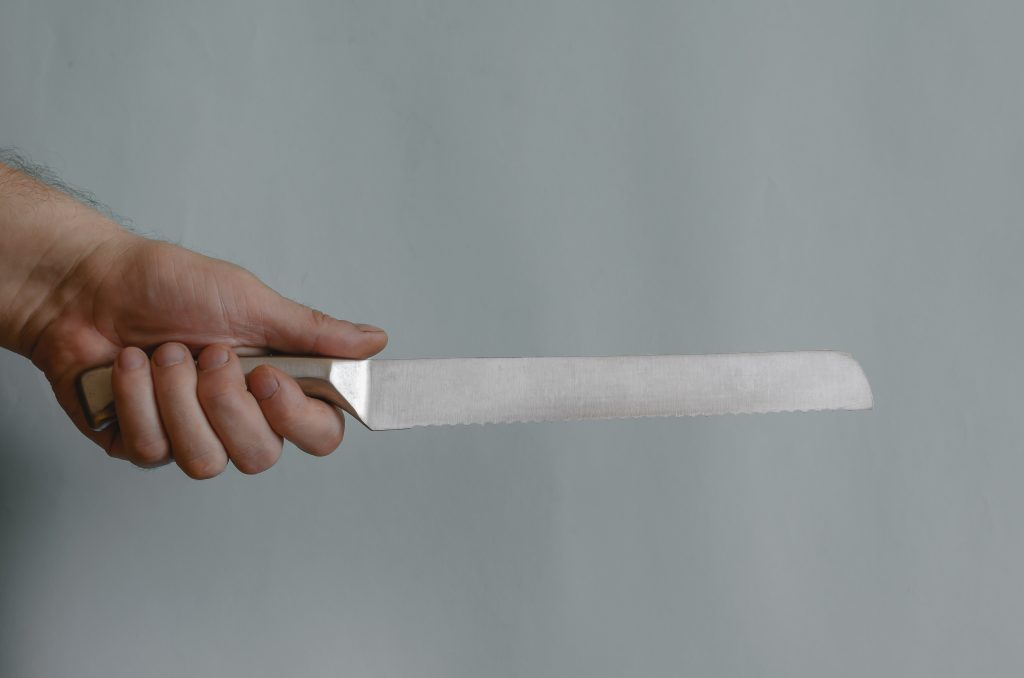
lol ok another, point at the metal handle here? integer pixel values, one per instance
(96, 393)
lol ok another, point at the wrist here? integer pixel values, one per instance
(48, 246)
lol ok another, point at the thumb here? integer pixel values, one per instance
(290, 327)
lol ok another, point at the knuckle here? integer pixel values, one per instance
(323, 446)
(251, 466)
(319, 317)
(214, 392)
(215, 388)
(149, 450)
(321, 326)
(255, 458)
(286, 418)
(204, 466)
(203, 471)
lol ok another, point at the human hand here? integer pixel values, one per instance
(148, 307)
(140, 294)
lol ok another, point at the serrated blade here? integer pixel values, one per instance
(426, 392)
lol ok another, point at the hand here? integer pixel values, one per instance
(130, 295)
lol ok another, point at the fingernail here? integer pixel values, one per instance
(263, 386)
(169, 354)
(131, 359)
(214, 356)
(363, 327)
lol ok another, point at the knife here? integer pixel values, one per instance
(398, 394)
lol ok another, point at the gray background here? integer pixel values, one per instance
(533, 178)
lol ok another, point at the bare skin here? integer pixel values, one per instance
(78, 291)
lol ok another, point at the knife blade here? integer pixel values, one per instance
(396, 394)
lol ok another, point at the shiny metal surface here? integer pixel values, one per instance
(407, 393)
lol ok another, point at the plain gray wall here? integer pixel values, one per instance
(550, 178)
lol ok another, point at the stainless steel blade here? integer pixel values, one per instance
(406, 393)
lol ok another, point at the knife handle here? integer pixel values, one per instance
(96, 392)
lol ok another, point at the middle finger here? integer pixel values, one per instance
(195, 446)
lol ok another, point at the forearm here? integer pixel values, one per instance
(44, 236)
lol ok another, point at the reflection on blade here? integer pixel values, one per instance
(406, 393)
